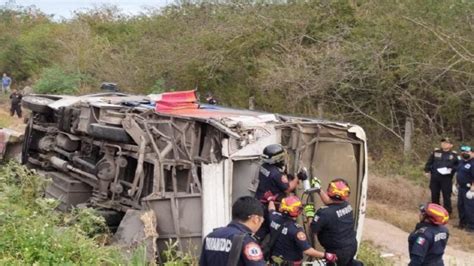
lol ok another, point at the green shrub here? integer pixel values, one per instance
(87, 221)
(370, 256)
(56, 81)
(174, 257)
(158, 87)
(34, 234)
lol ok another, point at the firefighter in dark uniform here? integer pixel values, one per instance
(465, 181)
(334, 223)
(235, 241)
(427, 243)
(441, 166)
(274, 181)
(290, 239)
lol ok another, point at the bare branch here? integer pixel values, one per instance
(445, 39)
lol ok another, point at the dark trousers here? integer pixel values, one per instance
(15, 108)
(465, 209)
(345, 257)
(264, 229)
(441, 184)
(462, 213)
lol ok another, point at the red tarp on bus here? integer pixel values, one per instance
(176, 101)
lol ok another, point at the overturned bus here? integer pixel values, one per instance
(181, 161)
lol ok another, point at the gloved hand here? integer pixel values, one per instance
(309, 210)
(268, 196)
(330, 257)
(470, 194)
(302, 174)
(316, 184)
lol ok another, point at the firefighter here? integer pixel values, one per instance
(465, 181)
(334, 223)
(440, 167)
(287, 238)
(234, 244)
(274, 181)
(427, 243)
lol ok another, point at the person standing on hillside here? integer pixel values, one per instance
(15, 99)
(210, 99)
(6, 83)
(440, 167)
(465, 180)
(427, 243)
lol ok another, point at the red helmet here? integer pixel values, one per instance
(435, 213)
(291, 205)
(339, 189)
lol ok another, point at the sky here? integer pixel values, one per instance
(64, 8)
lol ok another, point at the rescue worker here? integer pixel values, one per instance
(290, 241)
(234, 244)
(15, 99)
(465, 181)
(334, 223)
(274, 181)
(440, 167)
(427, 243)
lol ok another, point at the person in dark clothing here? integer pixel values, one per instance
(210, 99)
(426, 244)
(15, 99)
(274, 182)
(334, 223)
(235, 241)
(291, 241)
(465, 182)
(440, 167)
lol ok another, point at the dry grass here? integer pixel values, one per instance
(397, 191)
(396, 200)
(6, 121)
(394, 215)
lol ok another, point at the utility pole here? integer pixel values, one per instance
(407, 140)
(252, 103)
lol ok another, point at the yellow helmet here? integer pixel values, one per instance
(339, 189)
(437, 214)
(291, 205)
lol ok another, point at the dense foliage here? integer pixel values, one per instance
(375, 63)
(33, 233)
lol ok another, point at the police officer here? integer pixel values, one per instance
(15, 99)
(234, 244)
(334, 223)
(427, 243)
(441, 166)
(465, 180)
(290, 239)
(274, 182)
